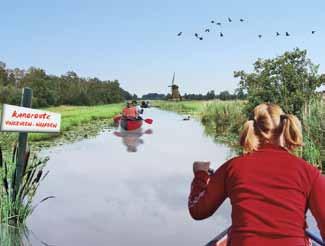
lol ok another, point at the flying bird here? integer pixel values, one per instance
(313, 32)
(212, 21)
(221, 34)
(196, 35)
(260, 36)
(207, 30)
(242, 20)
(179, 34)
(201, 38)
(287, 34)
(219, 23)
(230, 20)
(278, 34)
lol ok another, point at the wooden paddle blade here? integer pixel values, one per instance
(148, 121)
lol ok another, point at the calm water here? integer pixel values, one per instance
(128, 189)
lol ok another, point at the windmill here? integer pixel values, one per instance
(175, 95)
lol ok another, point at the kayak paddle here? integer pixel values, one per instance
(118, 118)
(148, 121)
(312, 236)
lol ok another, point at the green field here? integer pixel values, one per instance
(74, 118)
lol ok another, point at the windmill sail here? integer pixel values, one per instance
(173, 81)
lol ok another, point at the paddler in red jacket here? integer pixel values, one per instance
(270, 189)
(130, 111)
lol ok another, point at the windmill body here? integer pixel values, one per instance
(175, 95)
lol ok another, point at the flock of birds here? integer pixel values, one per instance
(229, 20)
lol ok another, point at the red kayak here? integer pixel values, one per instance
(222, 239)
(130, 125)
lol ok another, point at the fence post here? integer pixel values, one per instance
(26, 101)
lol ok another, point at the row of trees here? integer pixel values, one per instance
(50, 90)
(210, 95)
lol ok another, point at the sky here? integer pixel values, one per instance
(136, 42)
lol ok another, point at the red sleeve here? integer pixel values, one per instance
(317, 202)
(207, 193)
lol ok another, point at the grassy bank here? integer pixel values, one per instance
(75, 121)
(223, 120)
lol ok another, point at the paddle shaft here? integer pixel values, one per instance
(315, 238)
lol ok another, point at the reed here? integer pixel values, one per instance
(14, 209)
(223, 120)
(314, 133)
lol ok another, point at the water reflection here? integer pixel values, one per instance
(132, 139)
(105, 196)
(22, 236)
(11, 236)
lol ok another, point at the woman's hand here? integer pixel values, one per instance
(201, 166)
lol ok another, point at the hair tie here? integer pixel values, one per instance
(283, 117)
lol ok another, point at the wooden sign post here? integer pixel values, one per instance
(26, 101)
(23, 119)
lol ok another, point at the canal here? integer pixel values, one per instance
(123, 189)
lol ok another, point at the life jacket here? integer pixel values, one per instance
(130, 112)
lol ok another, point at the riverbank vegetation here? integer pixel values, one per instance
(16, 197)
(290, 80)
(221, 119)
(51, 90)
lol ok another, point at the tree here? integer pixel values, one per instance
(69, 89)
(11, 79)
(210, 95)
(225, 95)
(3, 77)
(289, 80)
(155, 96)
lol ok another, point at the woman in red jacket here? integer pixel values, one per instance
(269, 188)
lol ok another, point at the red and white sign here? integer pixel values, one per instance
(20, 119)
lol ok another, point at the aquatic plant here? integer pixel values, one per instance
(16, 202)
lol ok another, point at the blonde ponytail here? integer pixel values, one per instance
(248, 139)
(292, 131)
(270, 124)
